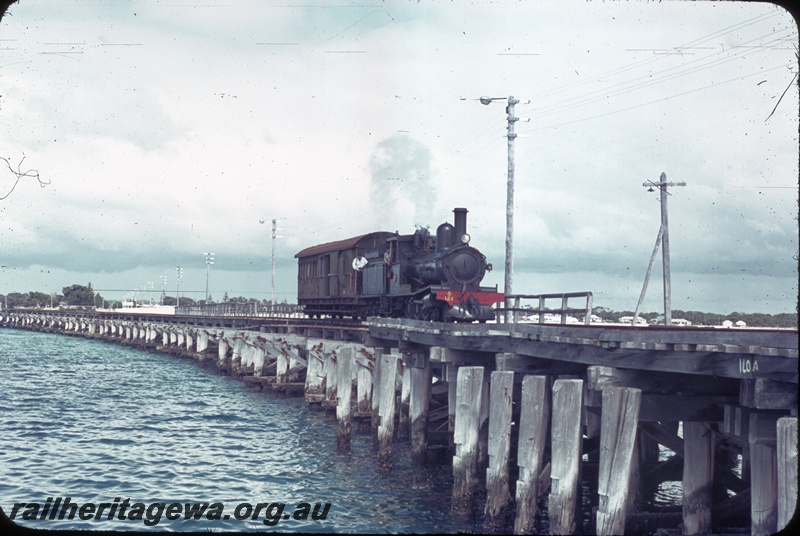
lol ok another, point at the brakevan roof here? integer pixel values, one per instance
(340, 245)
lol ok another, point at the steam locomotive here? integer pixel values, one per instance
(417, 276)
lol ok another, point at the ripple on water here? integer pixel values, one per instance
(95, 421)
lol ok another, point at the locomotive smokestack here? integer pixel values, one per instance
(460, 222)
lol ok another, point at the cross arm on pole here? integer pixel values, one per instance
(651, 183)
(663, 183)
(664, 236)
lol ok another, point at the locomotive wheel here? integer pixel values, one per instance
(435, 313)
(413, 310)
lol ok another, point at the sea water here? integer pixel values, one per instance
(99, 423)
(102, 424)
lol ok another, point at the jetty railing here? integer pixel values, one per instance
(541, 314)
(282, 310)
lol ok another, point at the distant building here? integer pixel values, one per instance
(680, 322)
(741, 324)
(628, 319)
(727, 324)
(550, 318)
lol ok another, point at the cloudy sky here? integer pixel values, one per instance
(167, 129)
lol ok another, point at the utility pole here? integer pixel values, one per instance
(663, 237)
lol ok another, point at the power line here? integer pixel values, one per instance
(644, 81)
(714, 85)
(468, 151)
(702, 40)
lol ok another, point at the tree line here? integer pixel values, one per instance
(85, 296)
(73, 295)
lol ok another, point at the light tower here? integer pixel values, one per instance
(163, 288)
(178, 278)
(274, 236)
(209, 262)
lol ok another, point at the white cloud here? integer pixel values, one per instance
(167, 130)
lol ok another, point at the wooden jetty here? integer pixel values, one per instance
(530, 412)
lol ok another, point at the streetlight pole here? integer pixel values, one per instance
(509, 270)
(509, 265)
(209, 262)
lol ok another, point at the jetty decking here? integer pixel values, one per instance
(530, 410)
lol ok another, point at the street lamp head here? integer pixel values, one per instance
(486, 100)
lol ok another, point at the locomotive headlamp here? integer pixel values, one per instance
(465, 238)
(489, 267)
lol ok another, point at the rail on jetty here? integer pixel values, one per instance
(531, 411)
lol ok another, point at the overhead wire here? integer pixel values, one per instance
(468, 154)
(691, 44)
(643, 104)
(641, 82)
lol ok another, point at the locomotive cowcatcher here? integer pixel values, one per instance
(387, 274)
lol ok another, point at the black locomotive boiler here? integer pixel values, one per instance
(418, 276)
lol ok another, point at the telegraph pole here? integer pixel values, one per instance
(663, 233)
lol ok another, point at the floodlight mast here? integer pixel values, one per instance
(178, 278)
(274, 237)
(209, 262)
(163, 288)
